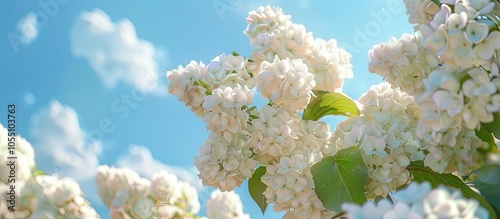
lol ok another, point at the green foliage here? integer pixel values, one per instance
(493, 127)
(330, 103)
(421, 174)
(256, 187)
(340, 179)
(488, 138)
(488, 183)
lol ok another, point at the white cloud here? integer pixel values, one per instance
(140, 159)
(29, 98)
(115, 53)
(61, 146)
(28, 26)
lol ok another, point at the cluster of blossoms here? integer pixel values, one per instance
(225, 164)
(465, 91)
(460, 34)
(403, 62)
(288, 177)
(40, 196)
(225, 160)
(274, 136)
(191, 84)
(287, 83)
(272, 34)
(385, 134)
(127, 195)
(48, 196)
(443, 82)
(219, 93)
(225, 205)
(420, 11)
(448, 121)
(419, 201)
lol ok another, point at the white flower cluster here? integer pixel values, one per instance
(41, 196)
(420, 201)
(420, 11)
(226, 161)
(385, 133)
(272, 33)
(277, 139)
(403, 62)
(454, 104)
(224, 109)
(127, 195)
(273, 134)
(465, 91)
(225, 205)
(286, 83)
(48, 196)
(192, 83)
(289, 181)
(460, 34)
(25, 157)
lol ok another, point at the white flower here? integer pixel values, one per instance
(438, 40)
(230, 70)
(476, 32)
(224, 164)
(188, 198)
(329, 64)
(65, 190)
(448, 101)
(164, 186)
(187, 85)
(275, 133)
(445, 203)
(480, 7)
(373, 145)
(224, 109)
(286, 83)
(440, 17)
(368, 210)
(166, 210)
(225, 205)
(456, 22)
(266, 19)
(419, 201)
(485, 49)
(384, 132)
(420, 11)
(23, 151)
(111, 180)
(413, 193)
(142, 208)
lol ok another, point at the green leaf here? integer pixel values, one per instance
(493, 127)
(330, 103)
(421, 174)
(488, 183)
(38, 173)
(437, 2)
(256, 187)
(340, 179)
(487, 137)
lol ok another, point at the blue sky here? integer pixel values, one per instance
(75, 109)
